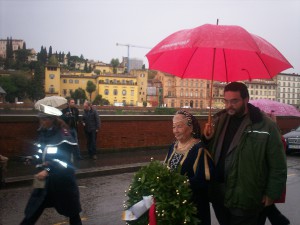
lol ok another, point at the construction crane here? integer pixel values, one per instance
(128, 50)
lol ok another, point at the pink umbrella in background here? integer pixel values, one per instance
(217, 52)
(278, 108)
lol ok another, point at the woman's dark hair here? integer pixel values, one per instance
(238, 86)
(192, 121)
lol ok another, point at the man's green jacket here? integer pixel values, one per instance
(255, 164)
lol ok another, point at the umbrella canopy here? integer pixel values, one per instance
(277, 108)
(53, 101)
(217, 52)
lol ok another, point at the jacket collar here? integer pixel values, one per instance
(255, 114)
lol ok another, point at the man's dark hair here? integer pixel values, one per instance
(237, 86)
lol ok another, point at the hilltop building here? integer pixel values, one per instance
(16, 44)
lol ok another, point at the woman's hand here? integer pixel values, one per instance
(42, 175)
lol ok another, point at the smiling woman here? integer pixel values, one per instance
(188, 156)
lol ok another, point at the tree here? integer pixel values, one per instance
(50, 52)
(79, 94)
(42, 56)
(85, 67)
(15, 87)
(9, 54)
(81, 58)
(53, 60)
(115, 63)
(36, 90)
(90, 88)
(100, 101)
(68, 58)
(7, 84)
(21, 58)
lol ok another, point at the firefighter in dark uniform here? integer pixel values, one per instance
(54, 184)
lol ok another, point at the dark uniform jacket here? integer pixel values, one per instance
(61, 190)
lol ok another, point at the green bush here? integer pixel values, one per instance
(165, 111)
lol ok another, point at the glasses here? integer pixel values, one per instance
(231, 101)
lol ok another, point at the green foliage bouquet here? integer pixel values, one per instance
(171, 192)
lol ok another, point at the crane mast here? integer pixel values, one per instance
(128, 50)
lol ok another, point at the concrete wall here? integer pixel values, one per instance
(18, 133)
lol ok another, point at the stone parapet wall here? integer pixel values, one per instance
(117, 133)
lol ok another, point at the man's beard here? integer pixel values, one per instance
(236, 112)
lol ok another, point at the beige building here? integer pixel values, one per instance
(195, 93)
(179, 92)
(142, 82)
(16, 44)
(288, 89)
(262, 89)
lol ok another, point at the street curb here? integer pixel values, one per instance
(21, 181)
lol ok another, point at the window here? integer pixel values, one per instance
(115, 92)
(132, 92)
(64, 81)
(65, 91)
(51, 89)
(76, 81)
(106, 92)
(51, 76)
(71, 81)
(124, 92)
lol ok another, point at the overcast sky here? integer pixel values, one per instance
(93, 27)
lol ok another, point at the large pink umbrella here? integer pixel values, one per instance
(217, 52)
(277, 108)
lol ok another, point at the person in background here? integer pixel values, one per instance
(3, 165)
(251, 168)
(188, 154)
(91, 123)
(272, 212)
(54, 183)
(71, 116)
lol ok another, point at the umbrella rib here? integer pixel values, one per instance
(264, 65)
(225, 64)
(189, 62)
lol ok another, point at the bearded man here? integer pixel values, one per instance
(250, 162)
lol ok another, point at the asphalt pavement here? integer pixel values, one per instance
(108, 163)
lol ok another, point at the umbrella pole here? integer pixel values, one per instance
(211, 88)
